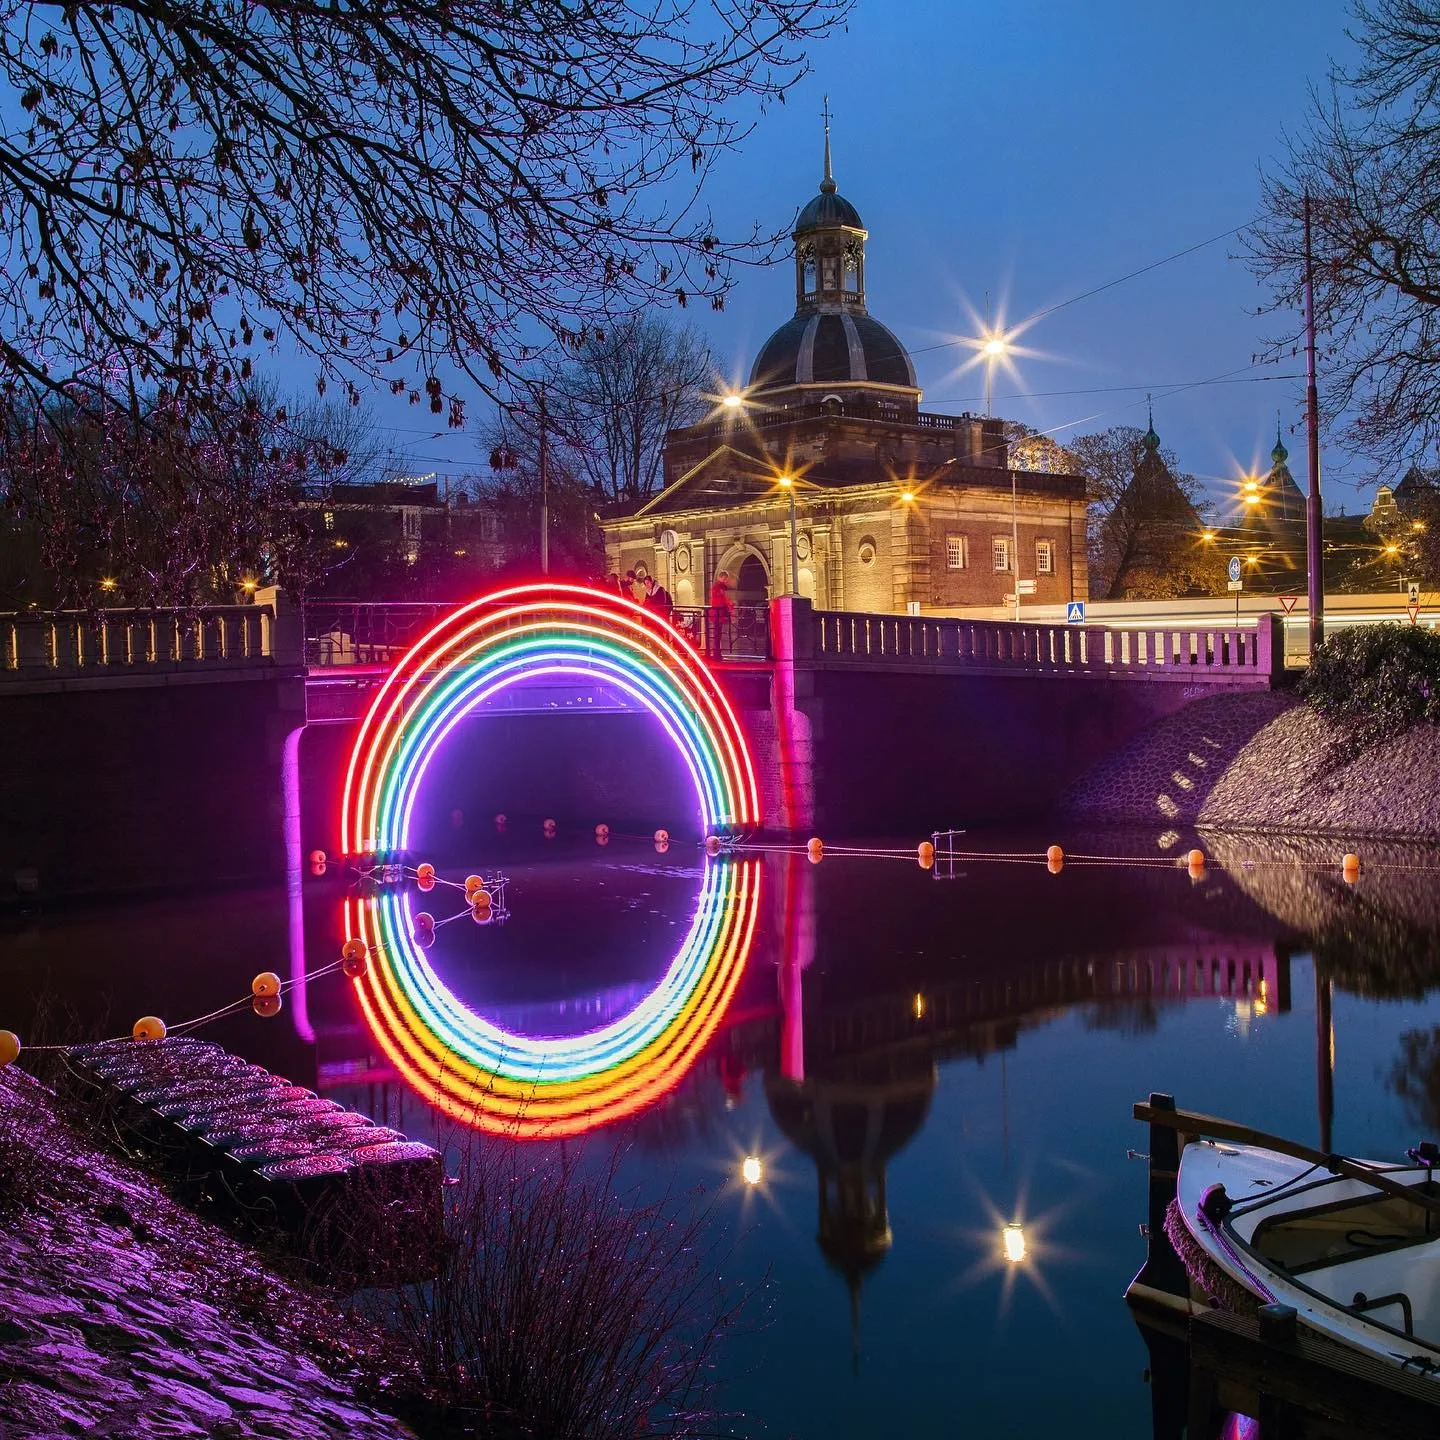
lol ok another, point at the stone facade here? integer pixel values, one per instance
(889, 514)
(894, 507)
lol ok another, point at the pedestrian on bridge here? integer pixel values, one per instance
(722, 615)
(657, 598)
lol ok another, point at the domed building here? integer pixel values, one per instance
(896, 508)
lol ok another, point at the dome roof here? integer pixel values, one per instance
(828, 208)
(832, 349)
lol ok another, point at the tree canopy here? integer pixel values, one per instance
(395, 190)
(1367, 160)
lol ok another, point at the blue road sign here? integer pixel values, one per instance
(1234, 567)
(1075, 612)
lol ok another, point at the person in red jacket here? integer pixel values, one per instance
(722, 614)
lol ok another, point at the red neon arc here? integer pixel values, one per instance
(636, 638)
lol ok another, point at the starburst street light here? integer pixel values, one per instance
(1012, 1241)
(752, 1170)
(787, 484)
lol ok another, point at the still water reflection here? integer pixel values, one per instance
(914, 1115)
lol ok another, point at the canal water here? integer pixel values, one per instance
(913, 1061)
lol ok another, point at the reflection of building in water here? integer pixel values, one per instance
(851, 1123)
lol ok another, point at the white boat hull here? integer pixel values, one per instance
(1358, 1266)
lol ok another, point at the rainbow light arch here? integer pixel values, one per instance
(470, 1068)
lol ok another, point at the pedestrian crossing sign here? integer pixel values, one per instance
(1075, 612)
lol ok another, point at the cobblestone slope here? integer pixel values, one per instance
(124, 1315)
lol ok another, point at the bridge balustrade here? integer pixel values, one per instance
(76, 643)
(926, 642)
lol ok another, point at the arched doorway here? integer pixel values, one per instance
(752, 584)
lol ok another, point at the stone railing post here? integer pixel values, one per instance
(792, 628)
(287, 640)
(1270, 646)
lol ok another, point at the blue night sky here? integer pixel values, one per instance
(1035, 150)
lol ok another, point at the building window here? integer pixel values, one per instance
(329, 519)
(866, 551)
(1044, 557)
(410, 524)
(956, 552)
(1000, 550)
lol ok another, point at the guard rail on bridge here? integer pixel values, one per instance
(78, 646)
(911, 642)
(377, 634)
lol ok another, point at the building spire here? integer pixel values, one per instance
(1279, 454)
(827, 185)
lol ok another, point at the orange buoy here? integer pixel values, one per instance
(1055, 855)
(317, 869)
(425, 885)
(1196, 859)
(355, 963)
(1350, 867)
(482, 914)
(355, 949)
(661, 846)
(424, 920)
(481, 897)
(149, 1027)
(602, 832)
(318, 857)
(472, 884)
(424, 938)
(925, 854)
(1054, 866)
(9, 1048)
(712, 844)
(266, 1005)
(662, 837)
(267, 982)
(425, 872)
(815, 849)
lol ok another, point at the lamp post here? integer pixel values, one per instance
(787, 483)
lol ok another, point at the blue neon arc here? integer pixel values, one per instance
(462, 686)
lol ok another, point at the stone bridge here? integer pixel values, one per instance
(143, 740)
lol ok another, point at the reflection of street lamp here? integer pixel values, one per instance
(787, 483)
(1012, 1238)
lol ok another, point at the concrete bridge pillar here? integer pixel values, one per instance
(792, 704)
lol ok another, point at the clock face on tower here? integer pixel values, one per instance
(802, 546)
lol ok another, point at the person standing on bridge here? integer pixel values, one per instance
(657, 598)
(722, 614)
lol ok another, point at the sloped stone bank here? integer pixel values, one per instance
(1267, 762)
(122, 1314)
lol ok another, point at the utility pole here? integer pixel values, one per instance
(544, 492)
(1314, 516)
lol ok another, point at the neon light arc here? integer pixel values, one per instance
(472, 1069)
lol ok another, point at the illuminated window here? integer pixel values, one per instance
(329, 519)
(410, 524)
(1000, 551)
(1044, 558)
(956, 552)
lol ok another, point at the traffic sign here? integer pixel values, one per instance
(1075, 612)
(1236, 585)
(1414, 594)
(1025, 587)
(1414, 614)
(1234, 570)
(1287, 602)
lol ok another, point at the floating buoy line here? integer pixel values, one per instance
(484, 900)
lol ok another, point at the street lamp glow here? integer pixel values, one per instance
(908, 497)
(1208, 536)
(108, 583)
(785, 481)
(732, 401)
(752, 1170)
(1012, 1239)
(995, 345)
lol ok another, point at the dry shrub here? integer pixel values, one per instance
(569, 1310)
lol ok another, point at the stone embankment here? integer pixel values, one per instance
(1267, 763)
(124, 1315)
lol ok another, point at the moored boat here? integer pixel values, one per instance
(1353, 1246)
